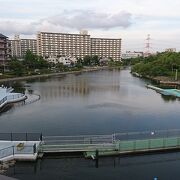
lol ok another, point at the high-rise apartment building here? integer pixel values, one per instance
(19, 46)
(106, 48)
(4, 49)
(77, 45)
(61, 44)
(15, 46)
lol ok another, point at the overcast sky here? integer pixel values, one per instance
(130, 20)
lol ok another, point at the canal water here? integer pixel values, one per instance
(101, 102)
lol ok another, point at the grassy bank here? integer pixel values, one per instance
(10, 78)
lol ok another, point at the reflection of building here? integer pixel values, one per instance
(170, 50)
(106, 48)
(4, 49)
(130, 54)
(19, 46)
(60, 44)
(73, 86)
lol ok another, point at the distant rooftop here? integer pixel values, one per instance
(2, 36)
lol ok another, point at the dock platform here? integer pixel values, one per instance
(166, 92)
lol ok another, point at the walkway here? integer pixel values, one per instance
(27, 146)
(115, 144)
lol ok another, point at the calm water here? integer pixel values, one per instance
(102, 102)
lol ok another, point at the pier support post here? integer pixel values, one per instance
(11, 137)
(40, 137)
(34, 148)
(26, 137)
(97, 158)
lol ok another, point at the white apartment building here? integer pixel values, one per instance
(20, 46)
(77, 45)
(63, 45)
(106, 48)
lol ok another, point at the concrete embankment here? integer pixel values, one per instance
(53, 74)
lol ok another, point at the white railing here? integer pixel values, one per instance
(84, 139)
(11, 97)
(13, 151)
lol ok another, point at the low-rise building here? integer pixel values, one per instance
(67, 61)
(132, 54)
(170, 50)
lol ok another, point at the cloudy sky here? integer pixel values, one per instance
(131, 20)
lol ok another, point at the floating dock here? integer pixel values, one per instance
(166, 92)
(112, 145)
(89, 145)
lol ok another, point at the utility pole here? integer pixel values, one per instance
(176, 75)
(147, 45)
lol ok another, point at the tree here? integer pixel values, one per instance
(17, 67)
(95, 60)
(87, 60)
(161, 64)
(33, 61)
(29, 59)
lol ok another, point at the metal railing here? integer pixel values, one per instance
(76, 147)
(147, 134)
(148, 144)
(11, 97)
(99, 139)
(14, 150)
(21, 136)
(84, 139)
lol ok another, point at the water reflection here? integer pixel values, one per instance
(169, 98)
(76, 86)
(142, 167)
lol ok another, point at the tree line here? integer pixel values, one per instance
(161, 64)
(33, 64)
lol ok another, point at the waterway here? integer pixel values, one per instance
(102, 102)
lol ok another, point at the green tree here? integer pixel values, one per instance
(16, 67)
(87, 60)
(95, 60)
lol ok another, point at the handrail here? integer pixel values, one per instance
(114, 137)
(24, 136)
(13, 150)
(14, 96)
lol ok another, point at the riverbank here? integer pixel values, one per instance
(54, 74)
(162, 80)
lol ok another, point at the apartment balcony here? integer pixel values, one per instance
(2, 47)
(2, 59)
(2, 41)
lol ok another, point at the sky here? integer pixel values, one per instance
(130, 20)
